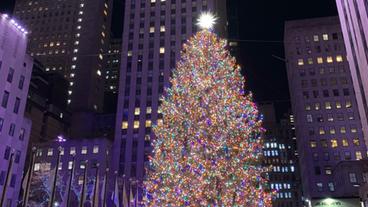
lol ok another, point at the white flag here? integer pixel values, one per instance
(65, 196)
(97, 195)
(115, 195)
(103, 192)
(24, 184)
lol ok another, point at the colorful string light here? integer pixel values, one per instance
(208, 149)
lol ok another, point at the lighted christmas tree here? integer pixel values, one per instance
(208, 149)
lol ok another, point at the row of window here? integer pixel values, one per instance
(324, 82)
(329, 117)
(328, 105)
(327, 156)
(72, 151)
(333, 143)
(11, 131)
(321, 71)
(331, 130)
(320, 60)
(318, 37)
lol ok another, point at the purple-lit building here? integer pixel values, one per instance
(327, 121)
(15, 74)
(354, 24)
(154, 31)
(87, 154)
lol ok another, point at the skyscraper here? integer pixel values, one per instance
(71, 37)
(281, 154)
(15, 75)
(328, 126)
(354, 24)
(154, 31)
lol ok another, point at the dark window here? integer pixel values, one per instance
(21, 82)
(21, 134)
(7, 153)
(16, 105)
(10, 75)
(17, 157)
(335, 92)
(4, 102)
(1, 124)
(317, 170)
(12, 129)
(346, 92)
(13, 179)
(2, 177)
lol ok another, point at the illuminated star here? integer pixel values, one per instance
(206, 20)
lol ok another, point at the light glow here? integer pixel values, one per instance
(206, 20)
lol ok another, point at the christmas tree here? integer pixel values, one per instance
(208, 149)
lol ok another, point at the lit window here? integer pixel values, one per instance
(152, 29)
(72, 151)
(339, 58)
(309, 118)
(353, 130)
(137, 111)
(300, 62)
(70, 165)
(348, 104)
(317, 106)
(130, 53)
(84, 150)
(338, 105)
(332, 130)
(328, 170)
(82, 165)
(99, 73)
(329, 59)
(162, 29)
(313, 144)
(358, 155)
(334, 143)
(153, 1)
(95, 149)
(322, 131)
(343, 130)
(124, 125)
(37, 167)
(319, 60)
(61, 151)
(345, 143)
(149, 110)
(310, 61)
(50, 152)
(136, 124)
(60, 166)
(162, 50)
(148, 123)
(356, 142)
(328, 106)
(79, 19)
(316, 38)
(325, 37)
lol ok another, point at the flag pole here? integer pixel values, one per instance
(95, 191)
(53, 192)
(84, 184)
(10, 166)
(29, 178)
(71, 180)
(105, 189)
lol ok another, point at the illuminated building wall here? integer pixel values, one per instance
(327, 121)
(15, 75)
(154, 31)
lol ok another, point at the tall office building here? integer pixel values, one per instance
(354, 24)
(71, 37)
(328, 127)
(15, 75)
(154, 31)
(280, 152)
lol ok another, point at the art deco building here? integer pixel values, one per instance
(15, 75)
(327, 121)
(154, 31)
(71, 37)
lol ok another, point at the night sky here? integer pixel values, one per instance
(261, 35)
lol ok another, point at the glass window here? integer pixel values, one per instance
(84, 150)
(313, 144)
(4, 102)
(345, 142)
(331, 187)
(352, 178)
(320, 186)
(16, 105)
(358, 155)
(124, 125)
(70, 165)
(72, 151)
(10, 75)
(12, 130)
(136, 124)
(325, 37)
(334, 143)
(50, 152)
(37, 167)
(300, 62)
(356, 142)
(95, 149)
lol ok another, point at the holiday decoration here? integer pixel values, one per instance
(208, 148)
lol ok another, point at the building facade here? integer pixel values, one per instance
(71, 37)
(354, 24)
(154, 32)
(327, 121)
(84, 154)
(15, 75)
(280, 152)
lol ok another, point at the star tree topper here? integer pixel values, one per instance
(206, 21)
